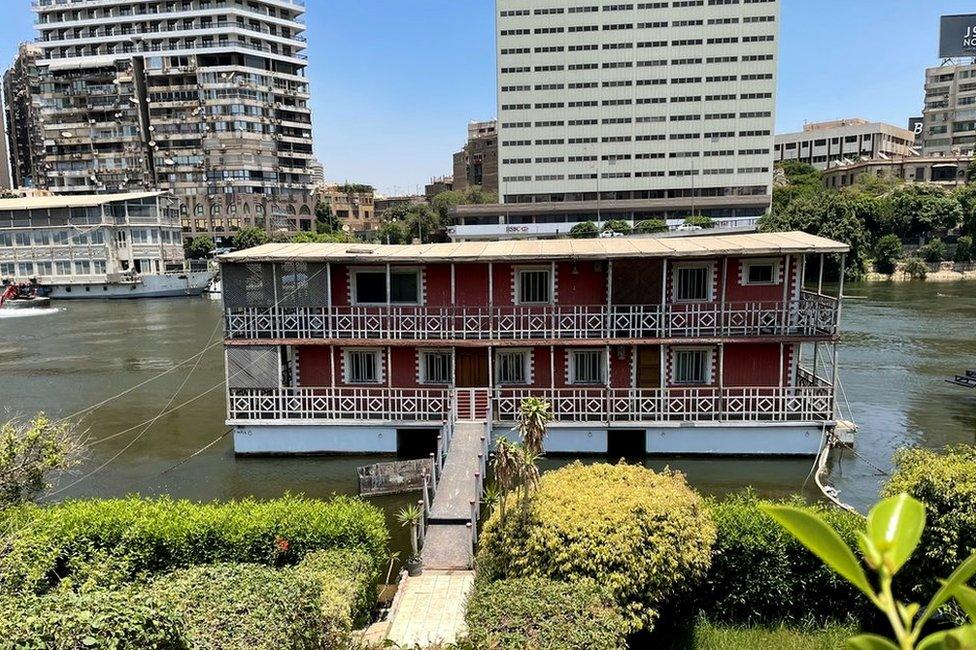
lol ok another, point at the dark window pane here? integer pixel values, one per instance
(371, 287)
(404, 288)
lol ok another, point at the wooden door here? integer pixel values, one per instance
(649, 366)
(472, 369)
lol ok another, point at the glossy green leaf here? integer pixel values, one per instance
(895, 527)
(823, 541)
(959, 577)
(960, 638)
(870, 642)
(966, 597)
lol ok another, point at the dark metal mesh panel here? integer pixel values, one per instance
(253, 367)
(247, 285)
(301, 284)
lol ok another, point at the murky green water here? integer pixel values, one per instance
(901, 342)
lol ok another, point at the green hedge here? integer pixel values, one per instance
(646, 537)
(544, 615)
(314, 605)
(122, 618)
(761, 574)
(89, 544)
(945, 481)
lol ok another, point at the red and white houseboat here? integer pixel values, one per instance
(693, 345)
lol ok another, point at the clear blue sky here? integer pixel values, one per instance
(394, 82)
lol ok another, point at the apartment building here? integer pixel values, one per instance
(666, 107)
(949, 116)
(948, 171)
(352, 205)
(208, 100)
(476, 165)
(21, 91)
(844, 141)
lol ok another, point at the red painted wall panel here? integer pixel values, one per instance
(471, 284)
(313, 366)
(340, 284)
(404, 367)
(502, 289)
(438, 281)
(736, 291)
(587, 286)
(752, 364)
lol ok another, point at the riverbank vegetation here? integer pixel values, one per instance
(160, 573)
(756, 585)
(883, 220)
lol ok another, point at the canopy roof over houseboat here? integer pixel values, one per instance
(780, 243)
(72, 201)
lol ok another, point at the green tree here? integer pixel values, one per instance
(971, 172)
(964, 249)
(651, 226)
(249, 238)
(584, 230)
(935, 251)
(887, 252)
(700, 221)
(915, 268)
(533, 424)
(919, 209)
(325, 220)
(444, 202)
(617, 226)
(199, 248)
(966, 196)
(31, 452)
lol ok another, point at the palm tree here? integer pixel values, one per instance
(505, 466)
(534, 418)
(411, 516)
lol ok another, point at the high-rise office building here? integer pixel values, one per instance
(206, 99)
(631, 110)
(21, 91)
(949, 117)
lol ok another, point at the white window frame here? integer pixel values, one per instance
(571, 365)
(353, 272)
(709, 283)
(526, 366)
(347, 366)
(709, 364)
(748, 264)
(424, 361)
(519, 271)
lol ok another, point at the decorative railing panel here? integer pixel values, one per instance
(794, 404)
(810, 316)
(335, 404)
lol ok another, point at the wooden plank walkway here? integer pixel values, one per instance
(447, 542)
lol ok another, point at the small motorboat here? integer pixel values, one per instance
(23, 295)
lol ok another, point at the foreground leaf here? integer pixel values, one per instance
(895, 526)
(961, 638)
(966, 597)
(959, 577)
(870, 642)
(823, 541)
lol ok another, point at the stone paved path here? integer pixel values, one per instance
(430, 608)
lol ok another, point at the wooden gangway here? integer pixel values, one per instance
(967, 380)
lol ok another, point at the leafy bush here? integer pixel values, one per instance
(652, 225)
(125, 618)
(934, 251)
(946, 483)
(617, 226)
(105, 542)
(584, 230)
(544, 614)
(700, 221)
(887, 252)
(645, 536)
(915, 268)
(761, 574)
(248, 607)
(348, 582)
(964, 249)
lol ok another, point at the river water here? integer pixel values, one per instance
(901, 341)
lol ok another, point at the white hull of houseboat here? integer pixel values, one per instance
(687, 439)
(169, 285)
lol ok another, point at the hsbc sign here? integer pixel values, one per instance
(958, 36)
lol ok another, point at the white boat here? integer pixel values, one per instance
(168, 285)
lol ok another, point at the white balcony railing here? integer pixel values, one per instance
(811, 315)
(590, 405)
(255, 405)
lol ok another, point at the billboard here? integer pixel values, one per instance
(958, 36)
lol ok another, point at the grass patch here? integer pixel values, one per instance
(708, 636)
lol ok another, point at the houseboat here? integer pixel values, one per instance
(698, 345)
(97, 246)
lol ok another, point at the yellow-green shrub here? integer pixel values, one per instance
(645, 537)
